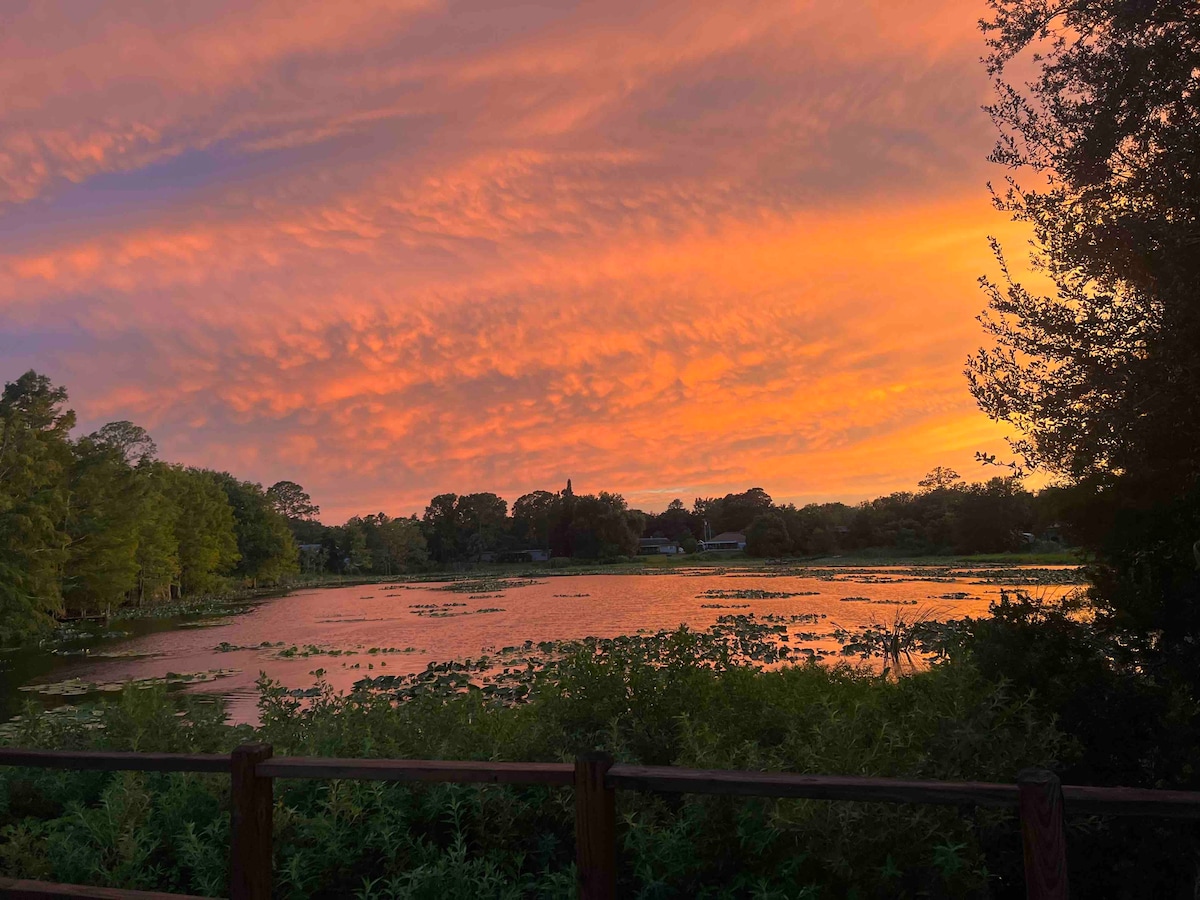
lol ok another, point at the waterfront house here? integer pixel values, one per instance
(658, 545)
(726, 540)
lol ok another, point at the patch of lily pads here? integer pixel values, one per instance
(74, 687)
(488, 585)
(753, 594)
(296, 651)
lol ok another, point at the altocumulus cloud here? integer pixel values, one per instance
(389, 249)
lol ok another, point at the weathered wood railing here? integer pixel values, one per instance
(1040, 799)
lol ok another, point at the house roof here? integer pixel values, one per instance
(725, 536)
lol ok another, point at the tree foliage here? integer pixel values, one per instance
(767, 536)
(106, 500)
(35, 459)
(266, 549)
(91, 524)
(1102, 376)
(291, 501)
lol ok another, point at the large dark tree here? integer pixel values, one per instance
(1102, 376)
(767, 535)
(532, 515)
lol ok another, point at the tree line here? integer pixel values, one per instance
(94, 523)
(91, 524)
(944, 516)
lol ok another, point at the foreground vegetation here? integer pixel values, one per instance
(690, 699)
(1100, 378)
(677, 699)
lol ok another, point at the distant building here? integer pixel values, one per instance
(523, 556)
(657, 545)
(726, 540)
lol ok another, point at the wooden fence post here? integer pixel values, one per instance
(1042, 834)
(595, 828)
(252, 799)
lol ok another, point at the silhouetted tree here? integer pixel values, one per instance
(767, 536)
(1102, 377)
(939, 477)
(291, 501)
(133, 442)
(532, 514)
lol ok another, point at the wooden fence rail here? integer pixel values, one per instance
(1041, 801)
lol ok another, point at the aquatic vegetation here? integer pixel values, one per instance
(69, 633)
(441, 613)
(75, 687)
(374, 650)
(206, 623)
(224, 605)
(1027, 577)
(879, 602)
(105, 654)
(226, 647)
(307, 650)
(304, 651)
(753, 594)
(488, 585)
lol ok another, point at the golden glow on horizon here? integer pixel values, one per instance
(423, 247)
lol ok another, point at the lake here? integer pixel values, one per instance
(397, 628)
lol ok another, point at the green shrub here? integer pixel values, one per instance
(673, 699)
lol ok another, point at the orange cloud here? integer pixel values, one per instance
(413, 247)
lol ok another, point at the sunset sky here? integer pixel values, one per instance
(393, 249)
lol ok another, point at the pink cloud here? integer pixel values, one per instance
(414, 247)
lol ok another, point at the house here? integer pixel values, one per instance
(523, 556)
(726, 540)
(658, 545)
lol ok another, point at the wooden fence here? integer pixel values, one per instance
(1037, 795)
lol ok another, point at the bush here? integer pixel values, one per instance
(1126, 723)
(673, 699)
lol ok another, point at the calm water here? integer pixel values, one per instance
(428, 623)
